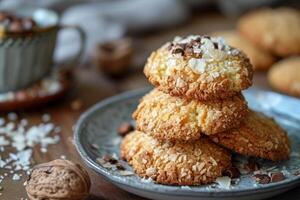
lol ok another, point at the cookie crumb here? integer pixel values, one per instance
(262, 178)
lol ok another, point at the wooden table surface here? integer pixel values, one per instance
(91, 87)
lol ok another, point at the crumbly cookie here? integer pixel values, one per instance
(259, 136)
(173, 118)
(175, 163)
(276, 30)
(199, 67)
(259, 58)
(284, 76)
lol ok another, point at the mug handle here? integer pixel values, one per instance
(67, 65)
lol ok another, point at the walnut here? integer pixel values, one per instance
(57, 180)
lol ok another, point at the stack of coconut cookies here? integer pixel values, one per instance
(196, 116)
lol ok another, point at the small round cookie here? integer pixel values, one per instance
(259, 58)
(199, 67)
(276, 30)
(175, 163)
(172, 118)
(259, 136)
(284, 76)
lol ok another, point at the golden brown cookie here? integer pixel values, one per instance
(173, 118)
(259, 58)
(199, 67)
(259, 136)
(276, 30)
(175, 163)
(284, 76)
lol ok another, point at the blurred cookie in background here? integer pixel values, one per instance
(276, 30)
(284, 76)
(260, 58)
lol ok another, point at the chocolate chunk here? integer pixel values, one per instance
(262, 178)
(124, 129)
(277, 176)
(215, 45)
(233, 172)
(189, 45)
(120, 167)
(198, 55)
(188, 52)
(110, 159)
(198, 40)
(252, 165)
(182, 46)
(170, 46)
(178, 51)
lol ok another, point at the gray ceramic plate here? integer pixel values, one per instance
(98, 126)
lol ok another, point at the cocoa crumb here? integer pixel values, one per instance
(124, 129)
(215, 45)
(120, 167)
(110, 159)
(196, 41)
(252, 165)
(296, 173)
(277, 176)
(233, 172)
(262, 178)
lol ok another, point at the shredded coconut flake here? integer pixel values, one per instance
(21, 140)
(197, 65)
(224, 182)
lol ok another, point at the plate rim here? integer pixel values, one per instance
(285, 184)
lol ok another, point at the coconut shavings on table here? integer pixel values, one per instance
(46, 87)
(17, 140)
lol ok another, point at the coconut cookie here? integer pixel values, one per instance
(199, 67)
(175, 163)
(284, 76)
(259, 58)
(258, 136)
(173, 118)
(276, 30)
